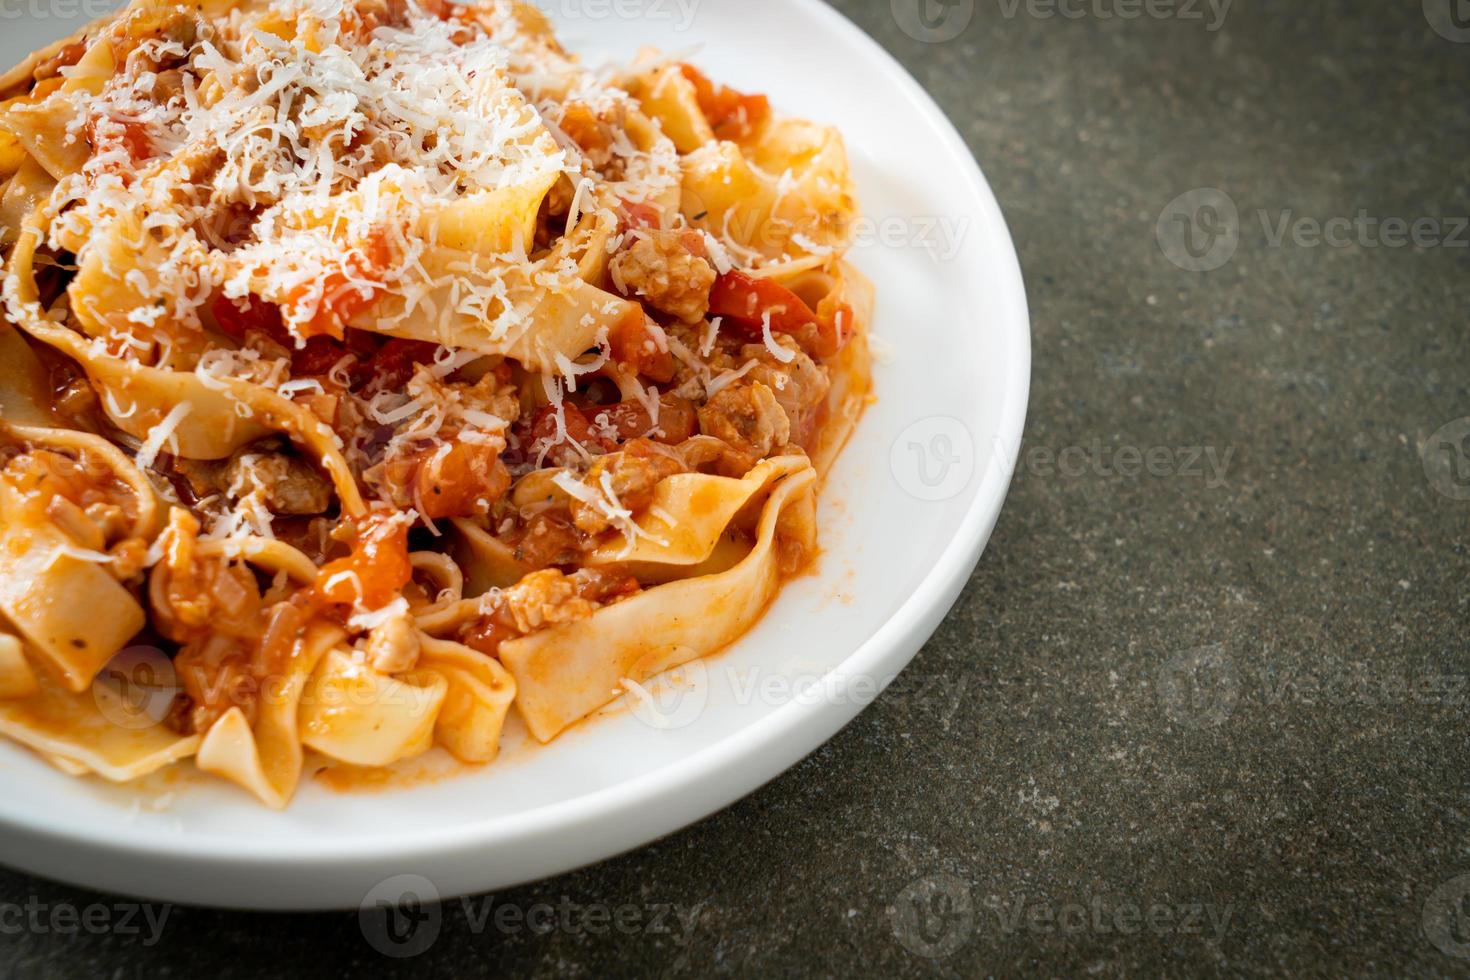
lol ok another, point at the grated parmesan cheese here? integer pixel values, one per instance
(724, 380)
(777, 351)
(160, 434)
(366, 621)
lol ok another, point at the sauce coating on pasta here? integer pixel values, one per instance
(371, 369)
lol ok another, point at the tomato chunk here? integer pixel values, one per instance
(318, 357)
(634, 346)
(375, 572)
(733, 115)
(746, 300)
(343, 295)
(394, 363)
(460, 481)
(579, 428)
(105, 133)
(238, 318)
(676, 419)
(638, 215)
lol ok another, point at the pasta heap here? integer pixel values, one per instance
(380, 368)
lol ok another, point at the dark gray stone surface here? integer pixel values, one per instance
(1234, 690)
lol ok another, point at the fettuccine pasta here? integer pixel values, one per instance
(371, 369)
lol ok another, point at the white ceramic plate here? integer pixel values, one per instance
(905, 517)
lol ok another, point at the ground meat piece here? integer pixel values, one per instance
(152, 23)
(290, 485)
(201, 476)
(76, 399)
(83, 497)
(546, 540)
(393, 647)
(220, 672)
(194, 597)
(633, 474)
(541, 443)
(286, 484)
(748, 418)
(458, 478)
(800, 385)
(703, 354)
(545, 598)
(542, 599)
(494, 394)
(454, 470)
(312, 536)
(85, 481)
(662, 270)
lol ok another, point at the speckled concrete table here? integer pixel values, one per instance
(1203, 707)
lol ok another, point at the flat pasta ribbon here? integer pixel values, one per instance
(452, 178)
(213, 426)
(70, 730)
(62, 600)
(567, 672)
(267, 759)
